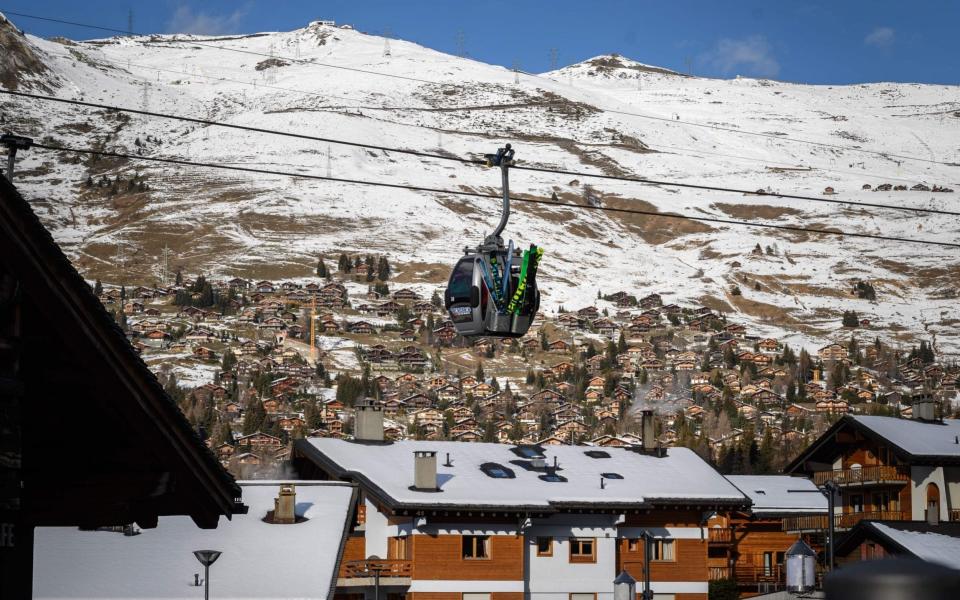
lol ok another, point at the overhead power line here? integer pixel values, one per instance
(325, 96)
(421, 154)
(632, 211)
(361, 105)
(226, 49)
(534, 75)
(781, 137)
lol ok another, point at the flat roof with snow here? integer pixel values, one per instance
(511, 481)
(260, 560)
(778, 494)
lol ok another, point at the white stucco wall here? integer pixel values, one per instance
(375, 537)
(920, 476)
(952, 475)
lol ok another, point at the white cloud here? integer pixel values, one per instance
(881, 37)
(184, 20)
(748, 56)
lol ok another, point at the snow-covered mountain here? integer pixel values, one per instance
(608, 115)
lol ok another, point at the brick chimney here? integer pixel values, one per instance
(284, 505)
(368, 421)
(425, 470)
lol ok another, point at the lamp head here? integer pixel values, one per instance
(207, 557)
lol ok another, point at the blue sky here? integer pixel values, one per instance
(813, 41)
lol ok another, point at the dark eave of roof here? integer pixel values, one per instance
(34, 256)
(868, 529)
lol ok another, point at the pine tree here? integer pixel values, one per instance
(480, 375)
(179, 279)
(229, 360)
(383, 269)
(97, 288)
(322, 268)
(254, 418)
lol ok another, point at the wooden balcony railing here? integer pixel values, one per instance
(862, 475)
(369, 568)
(719, 535)
(750, 575)
(844, 521)
(716, 573)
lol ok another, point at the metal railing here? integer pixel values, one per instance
(355, 569)
(879, 474)
(844, 521)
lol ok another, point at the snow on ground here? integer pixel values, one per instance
(607, 115)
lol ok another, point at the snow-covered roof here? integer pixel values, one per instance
(260, 560)
(919, 438)
(931, 546)
(388, 470)
(772, 494)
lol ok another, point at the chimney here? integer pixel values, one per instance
(648, 431)
(368, 421)
(924, 408)
(425, 470)
(284, 505)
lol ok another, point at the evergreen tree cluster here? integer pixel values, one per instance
(850, 318)
(378, 268)
(864, 291)
(924, 353)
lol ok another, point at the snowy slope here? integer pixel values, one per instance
(573, 118)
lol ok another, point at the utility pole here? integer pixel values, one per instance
(166, 265)
(461, 44)
(313, 328)
(386, 42)
(516, 71)
(145, 96)
(130, 23)
(553, 59)
(689, 63)
(14, 143)
(329, 171)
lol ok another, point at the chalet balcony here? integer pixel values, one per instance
(844, 521)
(719, 535)
(863, 476)
(360, 573)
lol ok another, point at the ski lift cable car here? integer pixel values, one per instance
(492, 290)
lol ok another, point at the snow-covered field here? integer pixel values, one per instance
(575, 118)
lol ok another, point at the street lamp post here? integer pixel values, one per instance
(830, 490)
(647, 548)
(206, 558)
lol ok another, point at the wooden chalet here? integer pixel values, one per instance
(749, 546)
(65, 367)
(457, 518)
(887, 468)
